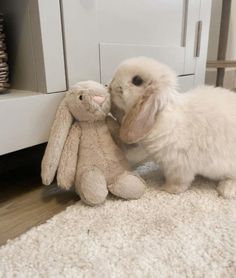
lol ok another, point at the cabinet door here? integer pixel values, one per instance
(99, 34)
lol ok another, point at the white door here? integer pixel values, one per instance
(99, 34)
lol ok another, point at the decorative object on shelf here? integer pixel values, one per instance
(4, 70)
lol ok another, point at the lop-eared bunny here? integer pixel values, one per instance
(187, 134)
(82, 151)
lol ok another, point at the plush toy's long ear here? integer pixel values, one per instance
(57, 138)
(141, 118)
(68, 161)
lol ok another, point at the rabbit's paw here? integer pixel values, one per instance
(174, 188)
(227, 189)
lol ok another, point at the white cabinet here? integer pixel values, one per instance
(99, 34)
(35, 44)
(53, 44)
(36, 57)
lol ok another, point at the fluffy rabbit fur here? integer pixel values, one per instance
(187, 134)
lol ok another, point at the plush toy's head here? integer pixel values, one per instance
(88, 101)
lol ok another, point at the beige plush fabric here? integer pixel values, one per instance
(160, 235)
(81, 151)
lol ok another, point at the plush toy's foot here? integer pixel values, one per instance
(127, 186)
(92, 187)
(227, 189)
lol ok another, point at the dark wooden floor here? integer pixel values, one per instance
(25, 202)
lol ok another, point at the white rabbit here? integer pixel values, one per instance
(187, 134)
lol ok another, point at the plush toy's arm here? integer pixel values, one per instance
(57, 138)
(68, 161)
(114, 128)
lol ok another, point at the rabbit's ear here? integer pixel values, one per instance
(117, 112)
(141, 118)
(59, 131)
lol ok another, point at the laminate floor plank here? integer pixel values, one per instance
(25, 202)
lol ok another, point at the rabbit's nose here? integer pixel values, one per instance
(99, 99)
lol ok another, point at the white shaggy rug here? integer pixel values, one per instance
(160, 235)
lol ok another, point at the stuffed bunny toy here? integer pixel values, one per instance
(187, 134)
(82, 151)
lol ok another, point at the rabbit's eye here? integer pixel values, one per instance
(80, 97)
(137, 80)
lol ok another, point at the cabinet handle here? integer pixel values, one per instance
(198, 38)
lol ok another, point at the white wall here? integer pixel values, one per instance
(230, 74)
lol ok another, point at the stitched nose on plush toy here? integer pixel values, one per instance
(99, 99)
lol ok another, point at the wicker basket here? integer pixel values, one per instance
(4, 70)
